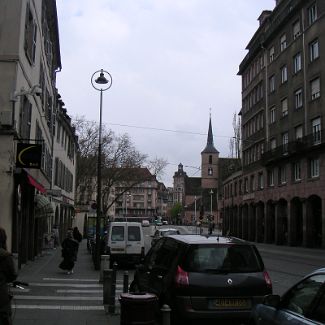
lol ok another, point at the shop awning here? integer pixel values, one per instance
(34, 183)
(43, 205)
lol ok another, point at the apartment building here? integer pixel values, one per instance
(62, 190)
(279, 195)
(138, 200)
(29, 61)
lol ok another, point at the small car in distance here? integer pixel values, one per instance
(145, 223)
(204, 278)
(163, 232)
(304, 303)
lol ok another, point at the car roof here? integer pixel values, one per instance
(123, 223)
(168, 229)
(317, 271)
(205, 239)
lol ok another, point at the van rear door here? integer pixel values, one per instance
(117, 240)
(134, 239)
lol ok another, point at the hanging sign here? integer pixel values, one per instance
(29, 155)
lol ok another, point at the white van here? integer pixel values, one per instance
(125, 242)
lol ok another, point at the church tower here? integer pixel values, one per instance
(209, 163)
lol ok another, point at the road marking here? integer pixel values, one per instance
(72, 285)
(70, 279)
(79, 291)
(21, 297)
(55, 307)
(77, 280)
(118, 286)
(15, 290)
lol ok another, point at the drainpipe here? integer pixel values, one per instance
(304, 72)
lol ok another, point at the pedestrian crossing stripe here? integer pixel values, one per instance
(70, 279)
(21, 297)
(56, 307)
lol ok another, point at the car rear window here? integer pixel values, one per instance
(222, 259)
(134, 233)
(117, 233)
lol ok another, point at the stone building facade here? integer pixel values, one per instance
(29, 61)
(279, 195)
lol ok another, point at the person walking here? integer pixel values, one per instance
(7, 274)
(56, 236)
(77, 235)
(69, 253)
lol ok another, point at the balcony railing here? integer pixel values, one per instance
(298, 146)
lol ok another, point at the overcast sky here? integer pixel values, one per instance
(170, 60)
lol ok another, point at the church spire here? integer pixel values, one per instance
(210, 146)
(210, 134)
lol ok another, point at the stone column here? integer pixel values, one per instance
(304, 223)
(291, 224)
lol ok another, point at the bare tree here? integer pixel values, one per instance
(235, 141)
(122, 163)
(157, 166)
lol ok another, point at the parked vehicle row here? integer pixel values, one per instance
(213, 278)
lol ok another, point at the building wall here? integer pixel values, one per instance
(22, 215)
(271, 141)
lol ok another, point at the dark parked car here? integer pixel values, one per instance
(202, 277)
(162, 232)
(304, 303)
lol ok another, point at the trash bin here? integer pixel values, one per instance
(138, 308)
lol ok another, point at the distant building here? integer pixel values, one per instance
(135, 193)
(279, 196)
(140, 199)
(200, 195)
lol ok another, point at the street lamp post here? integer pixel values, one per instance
(211, 193)
(126, 196)
(100, 83)
(211, 215)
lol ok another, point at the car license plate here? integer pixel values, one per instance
(230, 303)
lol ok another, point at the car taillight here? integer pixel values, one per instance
(267, 279)
(181, 277)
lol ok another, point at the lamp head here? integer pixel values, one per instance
(101, 79)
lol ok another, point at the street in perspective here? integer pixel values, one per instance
(162, 162)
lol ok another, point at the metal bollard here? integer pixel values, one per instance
(107, 286)
(111, 305)
(165, 310)
(126, 282)
(104, 265)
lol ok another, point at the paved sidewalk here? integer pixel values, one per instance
(53, 297)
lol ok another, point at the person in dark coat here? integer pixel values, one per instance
(7, 275)
(77, 235)
(69, 253)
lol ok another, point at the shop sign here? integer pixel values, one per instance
(29, 155)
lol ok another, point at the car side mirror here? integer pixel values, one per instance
(272, 300)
